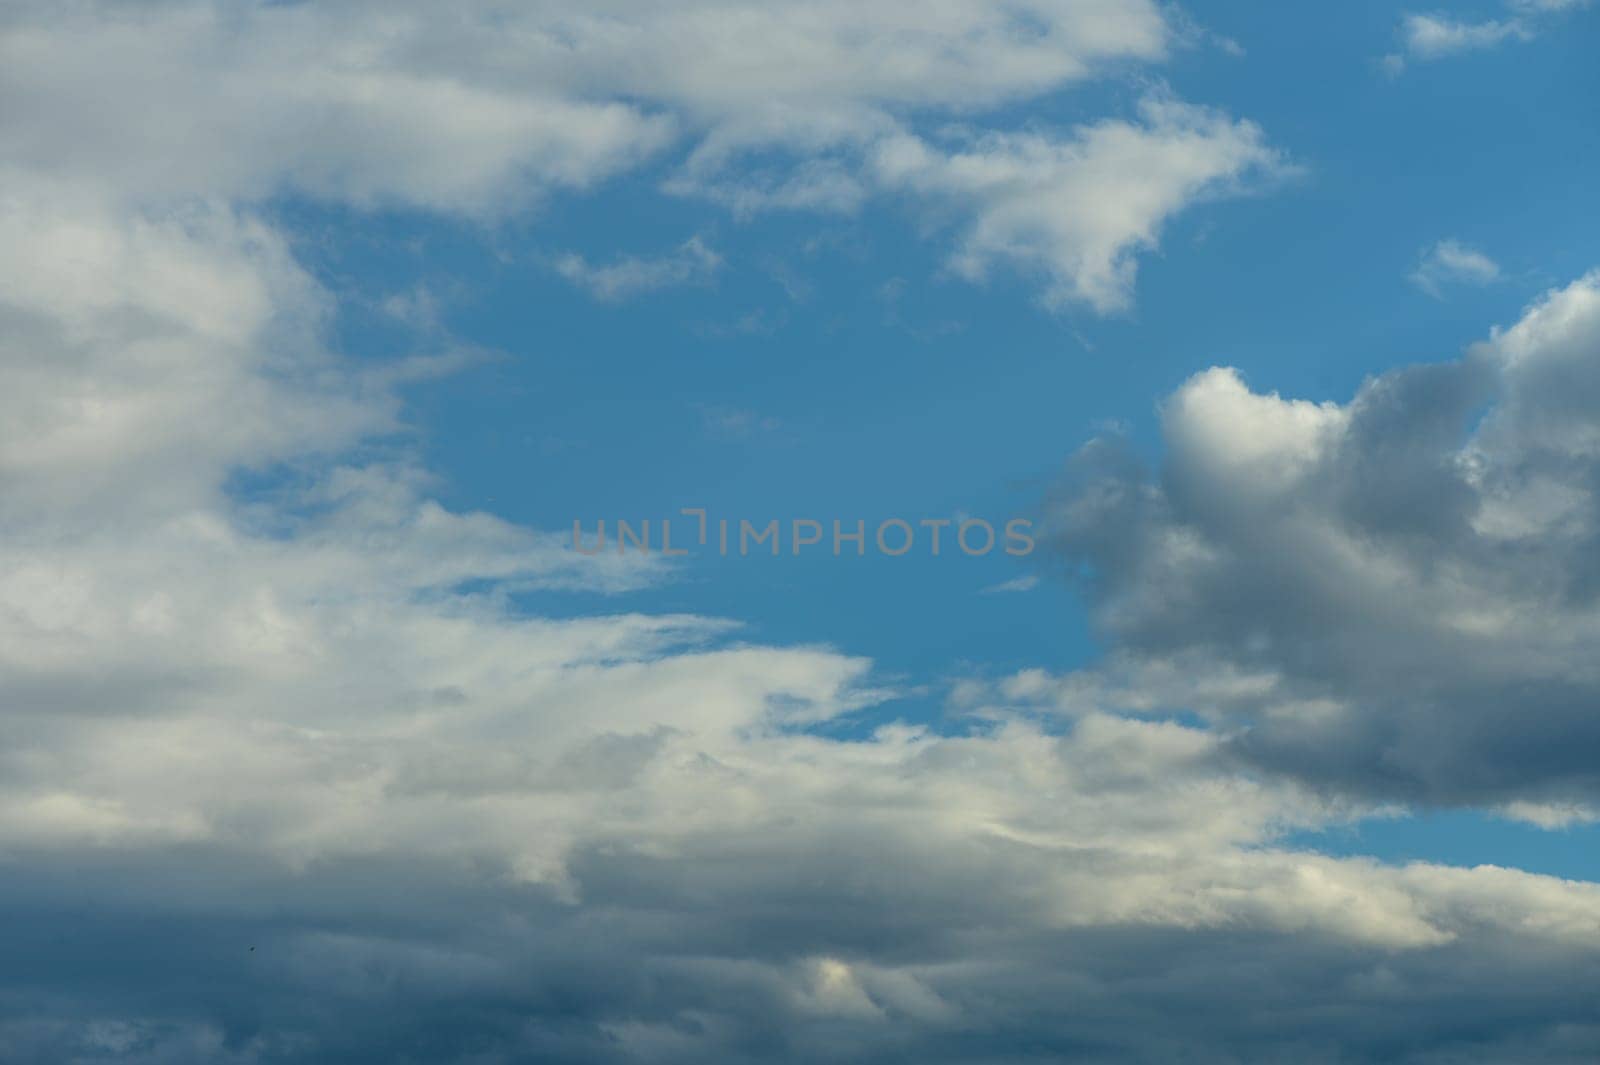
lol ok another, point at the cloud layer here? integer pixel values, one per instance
(292, 771)
(487, 109)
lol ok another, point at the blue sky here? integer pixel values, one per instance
(324, 322)
(829, 367)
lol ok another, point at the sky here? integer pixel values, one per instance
(332, 332)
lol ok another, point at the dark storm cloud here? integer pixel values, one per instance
(712, 957)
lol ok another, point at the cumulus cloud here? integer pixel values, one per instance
(295, 764)
(150, 353)
(325, 790)
(1449, 262)
(1393, 597)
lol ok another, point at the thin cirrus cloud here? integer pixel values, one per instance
(735, 422)
(1014, 586)
(1430, 36)
(1450, 262)
(692, 263)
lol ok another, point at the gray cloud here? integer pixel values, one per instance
(833, 942)
(1407, 581)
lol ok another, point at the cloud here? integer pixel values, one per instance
(692, 263)
(1392, 597)
(1434, 36)
(1449, 262)
(487, 111)
(1544, 6)
(1074, 209)
(298, 764)
(735, 422)
(1026, 583)
(195, 99)
(1551, 816)
(239, 720)
(150, 353)
(484, 107)
(683, 895)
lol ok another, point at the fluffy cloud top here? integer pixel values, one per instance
(1397, 596)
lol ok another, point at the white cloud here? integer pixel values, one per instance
(692, 263)
(1026, 583)
(191, 99)
(482, 106)
(150, 353)
(1449, 262)
(1233, 438)
(486, 110)
(1551, 816)
(1434, 36)
(1073, 210)
(1437, 36)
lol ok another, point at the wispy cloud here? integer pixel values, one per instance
(1449, 262)
(734, 421)
(1067, 209)
(1552, 817)
(1434, 36)
(1430, 36)
(1026, 583)
(691, 263)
